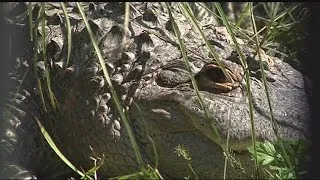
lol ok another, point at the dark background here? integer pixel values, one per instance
(313, 65)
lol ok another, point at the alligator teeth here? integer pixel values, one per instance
(101, 118)
(106, 119)
(97, 82)
(17, 63)
(92, 113)
(137, 92)
(125, 87)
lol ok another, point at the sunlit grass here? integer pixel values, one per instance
(65, 13)
(264, 80)
(187, 12)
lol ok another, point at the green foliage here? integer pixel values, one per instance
(271, 160)
(180, 150)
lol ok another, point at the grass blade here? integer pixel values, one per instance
(30, 21)
(271, 28)
(112, 91)
(186, 11)
(274, 124)
(47, 73)
(149, 137)
(35, 56)
(68, 31)
(57, 151)
(243, 16)
(126, 21)
(247, 79)
(194, 83)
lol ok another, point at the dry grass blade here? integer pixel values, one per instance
(194, 83)
(187, 12)
(56, 150)
(271, 28)
(243, 15)
(234, 27)
(126, 20)
(35, 57)
(36, 47)
(30, 21)
(247, 79)
(112, 91)
(149, 137)
(228, 137)
(274, 124)
(68, 31)
(47, 73)
(209, 10)
(151, 140)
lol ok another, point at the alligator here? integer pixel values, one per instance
(153, 83)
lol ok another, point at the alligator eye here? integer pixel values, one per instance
(215, 74)
(212, 79)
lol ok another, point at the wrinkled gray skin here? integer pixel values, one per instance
(150, 72)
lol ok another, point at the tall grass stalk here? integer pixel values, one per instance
(35, 58)
(264, 80)
(68, 33)
(44, 52)
(194, 83)
(187, 12)
(30, 21)
(112, 91)
(57, 151)
(247, 79)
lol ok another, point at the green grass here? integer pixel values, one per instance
(279, 20)
(272, 159)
